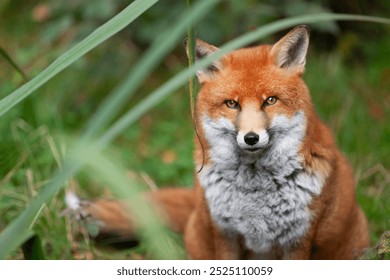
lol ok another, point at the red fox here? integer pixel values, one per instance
(273, 184)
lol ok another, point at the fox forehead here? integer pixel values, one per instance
(250, 74)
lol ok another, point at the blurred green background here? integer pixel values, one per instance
(348, 72)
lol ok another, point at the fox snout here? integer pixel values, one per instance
(251, 125)
(252, 142)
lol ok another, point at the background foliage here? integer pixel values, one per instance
(348, 74)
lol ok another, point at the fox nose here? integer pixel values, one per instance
(251, 138)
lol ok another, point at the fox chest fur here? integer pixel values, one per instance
(261, 197)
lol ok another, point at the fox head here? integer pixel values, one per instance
(251, 98)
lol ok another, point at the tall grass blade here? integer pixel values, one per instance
(152, 230)
(182, 77)
(82, 154)
(191, 37)
(150, 59)
(18, 231)
(101, 34)
(8, 240)
(8, 58)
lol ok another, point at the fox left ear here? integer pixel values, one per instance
(202, 49)
(290, 51)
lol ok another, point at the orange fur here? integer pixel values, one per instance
(338, 228)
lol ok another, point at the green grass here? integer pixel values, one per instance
(37, 134)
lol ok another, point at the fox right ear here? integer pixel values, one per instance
(202, 49)
(290, 51)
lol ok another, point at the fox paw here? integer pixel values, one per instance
(107, 221)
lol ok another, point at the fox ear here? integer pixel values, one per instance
(290, 51)
(202, 49)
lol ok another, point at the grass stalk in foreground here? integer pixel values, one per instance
(97, 37)
(81, 155)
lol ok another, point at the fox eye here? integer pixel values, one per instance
(270, 100)
(232, 104)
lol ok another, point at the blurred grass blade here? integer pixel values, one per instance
(182, 77)
(101, 34)
(191, 41)
(152, 230)
(82, 154)
(71, 166)
(7, 57)
(279, 25)
(191, 37)
(150, 59)
(18, 231)
(32, 248)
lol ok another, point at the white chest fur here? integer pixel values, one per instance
(264, 197)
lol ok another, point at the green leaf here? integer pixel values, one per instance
(97, 37)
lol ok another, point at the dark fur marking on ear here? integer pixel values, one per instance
(293, 51)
